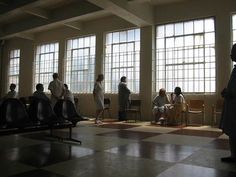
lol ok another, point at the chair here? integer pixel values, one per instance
(216, 110)
(13, 114)
(65, 109)
(25, 101)
(134, 108)
(107, 106)
(42, 114)
(195, 107)
(40, 111)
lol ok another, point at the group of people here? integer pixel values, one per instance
(123, 97)
(58, 90)
(164, 107)
(168, 109)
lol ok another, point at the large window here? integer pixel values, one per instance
(234, 28)
(14, 68)
(80, 64)
(122, 58)
(185, 56)
(46, 63)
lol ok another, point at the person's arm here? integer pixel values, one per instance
(154, 102)
(167, 99)
(63, 91)
(94, 90)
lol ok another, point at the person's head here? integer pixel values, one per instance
(123, 79)
(66, 86)
(162, 92)
(55, 75)
(100, 77)
(39, 87)
(233, 52)
(12, 87)
(178, 91)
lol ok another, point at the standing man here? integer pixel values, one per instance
(123, 94)
(228, 117)
(56, 88)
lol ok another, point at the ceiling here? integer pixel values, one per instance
(23, 18)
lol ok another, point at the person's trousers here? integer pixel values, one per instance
(122, 115)
(232, 144)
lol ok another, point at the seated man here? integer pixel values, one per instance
(12, 93)
(39, 93)
(160, 102)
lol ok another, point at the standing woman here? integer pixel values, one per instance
(98, 95)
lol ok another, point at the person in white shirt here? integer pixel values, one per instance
(160, 103)
(12, 93)
(177, 105)
(98, 94)
(57, 89)
(68, 95)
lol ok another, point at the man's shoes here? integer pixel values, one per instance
(228, 159)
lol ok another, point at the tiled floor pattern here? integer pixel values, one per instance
(118, 149)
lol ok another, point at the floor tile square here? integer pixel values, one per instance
(218, 144)
(180, 140)
(156, 151)
(129, 134)
(109, 165)
(210, 158)
(47, 154)
(182, 170)
(37, 173)
(16, 141)
(202, 133)
(8, 168)
(153, 129)
(117, 126)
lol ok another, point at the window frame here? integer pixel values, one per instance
(207, 60)
(87, 86)
(17, 75)
(38, 73)
(132, 57)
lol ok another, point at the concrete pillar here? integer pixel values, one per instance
(146, 57)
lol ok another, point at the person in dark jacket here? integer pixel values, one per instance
(123, 96)
(228, 117)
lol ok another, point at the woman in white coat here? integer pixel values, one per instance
(98, 94)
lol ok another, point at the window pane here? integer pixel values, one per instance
(46, 63)
(80, 64)
(14, 68)
(122, 59)
(186, 58)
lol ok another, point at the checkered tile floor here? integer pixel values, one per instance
(118, 149)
